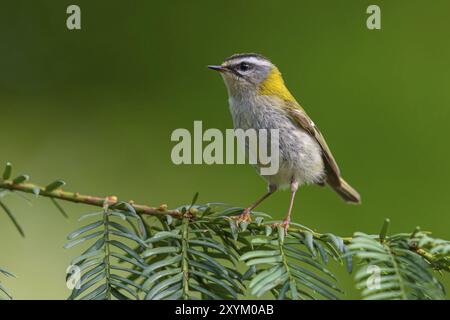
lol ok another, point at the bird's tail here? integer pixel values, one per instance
(347, 193)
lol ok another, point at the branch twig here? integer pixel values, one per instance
(85, 199)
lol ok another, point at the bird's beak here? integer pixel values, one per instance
(218, 68)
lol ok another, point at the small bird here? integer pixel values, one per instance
(259, 99)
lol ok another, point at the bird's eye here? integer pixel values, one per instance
(244, 66)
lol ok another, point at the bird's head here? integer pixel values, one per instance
(252, 74)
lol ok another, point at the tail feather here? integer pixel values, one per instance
(347, 193)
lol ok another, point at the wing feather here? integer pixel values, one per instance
(332, 171)
(300, 117)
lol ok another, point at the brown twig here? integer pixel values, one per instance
(85, 199)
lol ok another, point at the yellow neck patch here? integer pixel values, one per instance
(274, 86)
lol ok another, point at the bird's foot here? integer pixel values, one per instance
(284, 224)
(244, 216)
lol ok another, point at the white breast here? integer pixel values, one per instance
(300, 154)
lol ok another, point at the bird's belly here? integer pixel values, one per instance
(300, 159)
(300, 156)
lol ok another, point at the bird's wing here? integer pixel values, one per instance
(299, 116)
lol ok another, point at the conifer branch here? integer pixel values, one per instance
(182, 258)
(54, 191)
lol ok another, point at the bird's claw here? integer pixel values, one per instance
(244, 216)
(284, 224)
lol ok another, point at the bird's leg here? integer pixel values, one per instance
(246, 214)
(287, 220)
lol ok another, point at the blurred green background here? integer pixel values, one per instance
(96, 107)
